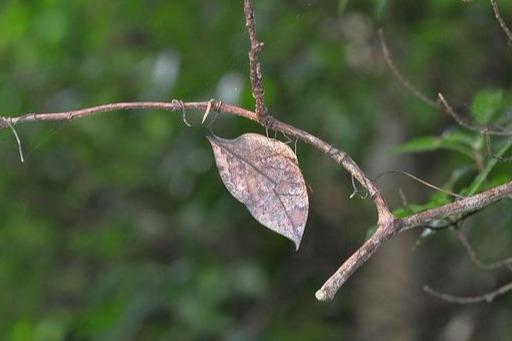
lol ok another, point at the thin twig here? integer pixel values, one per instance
(337, 155)
(447, 108)
(423, 182)
(500, 20)
(254, 64)
(484, 298)
(388, 225)
(175, 105)
(394, 69)
(385, 218)
(507, 262)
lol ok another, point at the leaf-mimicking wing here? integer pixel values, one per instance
(263, 174)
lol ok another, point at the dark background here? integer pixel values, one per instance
(117, 226)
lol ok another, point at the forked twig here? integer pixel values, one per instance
(388, 225)
(445, 107)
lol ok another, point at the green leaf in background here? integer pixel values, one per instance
(420, 144)
(436, 200)
(453, 140)
(486, 104)
(402, 212)
(480, 179)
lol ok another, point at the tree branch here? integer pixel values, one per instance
(337, 155)
(385, 232)
(388, 225)
(472, 203)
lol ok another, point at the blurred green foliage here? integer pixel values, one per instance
(117, 226)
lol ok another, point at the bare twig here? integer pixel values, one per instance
(423, 182)
(394, 69)
(447, 108)
(388, 225)
(487, 297)
(507, 262)
(500, 20)
(337, 155)
(254, 64)
(467, 205)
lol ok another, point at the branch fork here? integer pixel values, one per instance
(388, 224)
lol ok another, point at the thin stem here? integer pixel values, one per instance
(423, 182)
(500, 20)
(447, 108)
(254, 64)
(487, 297)
(396, 72)
(507, 262)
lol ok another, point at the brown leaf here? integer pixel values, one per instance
(264, 175)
